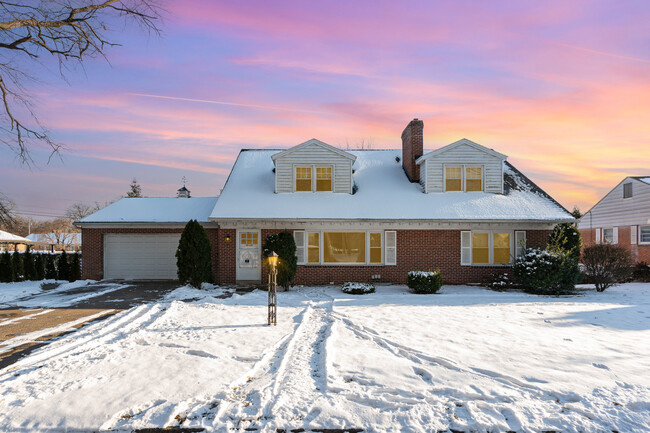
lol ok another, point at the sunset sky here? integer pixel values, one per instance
(561, 87)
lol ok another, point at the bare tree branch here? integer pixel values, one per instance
(71, 31)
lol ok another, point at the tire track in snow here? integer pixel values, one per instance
(95, 335)
(290, 384)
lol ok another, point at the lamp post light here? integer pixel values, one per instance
(273, 288)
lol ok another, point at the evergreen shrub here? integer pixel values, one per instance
(358, 288)
(194, 256)
(17, 264)
(284, 246)
(6, 268)
(565, 237)
(28, 265)
(63, 266)
(75, 267)
(424, 282)
(547, 272)
(641, 272)
(50, 268)
(39, 266)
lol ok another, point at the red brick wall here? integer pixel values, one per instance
(93, 248)
(639, 253)
(416, 250)
(412, 146)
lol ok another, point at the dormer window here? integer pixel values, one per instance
(306, 181)
(463, 178)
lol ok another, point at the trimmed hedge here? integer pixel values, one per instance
(424, 282)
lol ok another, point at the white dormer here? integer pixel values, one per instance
(462, 166)
(313, 166)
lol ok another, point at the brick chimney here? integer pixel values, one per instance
(412, 148)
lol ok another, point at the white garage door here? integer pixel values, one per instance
(140, 257)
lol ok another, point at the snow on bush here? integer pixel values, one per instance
(546, 272)
(501, 281)
(358, 288)
(424, 281)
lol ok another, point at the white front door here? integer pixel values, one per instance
(249, 256)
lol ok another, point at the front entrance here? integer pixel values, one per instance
(249, 256)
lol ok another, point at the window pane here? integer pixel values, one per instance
(375, 255)
(501, 255)
(645, 234)
(502, 240)
(480, 248)
(608, 236)
(323, 178)
(480, 255)
(313, 250)
(248, 239)
(303, 178)
(375, 240)
(627, 190)
(473, 179)
(453, 179)
(344, 247)
(480, 240)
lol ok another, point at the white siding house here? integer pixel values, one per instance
(621, 217)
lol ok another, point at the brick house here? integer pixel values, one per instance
(622, 217)
(367, 215)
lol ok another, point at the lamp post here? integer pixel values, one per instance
(273, 288)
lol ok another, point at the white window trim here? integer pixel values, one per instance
(321, 250)
(639, 236)
(463, 176)
(490, 233)
(314, 176)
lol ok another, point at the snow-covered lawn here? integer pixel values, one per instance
(466, 359)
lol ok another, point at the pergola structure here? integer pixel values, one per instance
(7, 239)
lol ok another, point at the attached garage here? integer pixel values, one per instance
(140, 256)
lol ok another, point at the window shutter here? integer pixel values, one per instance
(391, 247)
(465, 248)
(615, 231)
(299, 238)
(597, 236)
(520, 243)
(633, 235)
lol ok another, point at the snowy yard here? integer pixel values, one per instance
(466, 359)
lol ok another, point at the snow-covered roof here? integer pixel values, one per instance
(51, 238)
(461, 142)
(383, 192)
(7, 237)
(312, 142)
(154, 210)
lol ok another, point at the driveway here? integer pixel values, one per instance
(31, 322)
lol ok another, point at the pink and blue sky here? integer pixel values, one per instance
(561, 87)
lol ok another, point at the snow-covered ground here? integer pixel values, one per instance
(466, 359)
(30, 294)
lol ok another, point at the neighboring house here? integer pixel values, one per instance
(11, 242)
(369, 215)
(622, 217)
(55, 241)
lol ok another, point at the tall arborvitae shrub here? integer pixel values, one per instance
(565, 238)
(63, 266)
(28, 265)
(6, 268)
(39, 266)
(75, 268)
(17, 263)
(194, 256)
(50, 268)
(284, 246)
